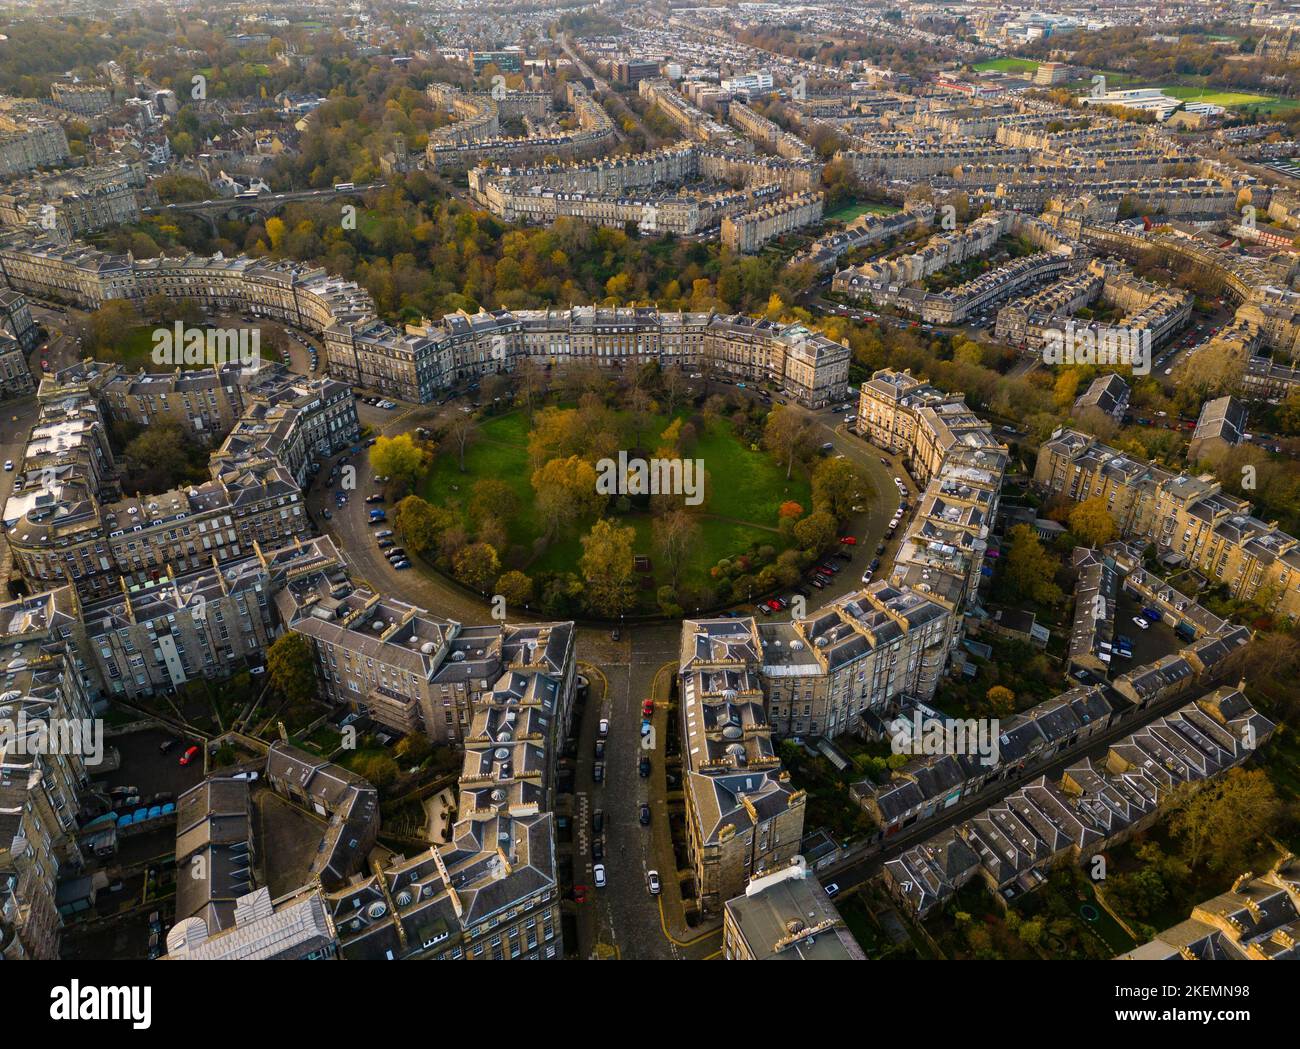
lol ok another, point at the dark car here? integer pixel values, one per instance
(597, 820)
(166, 745)
(598, 772)
(643, 767)
(875, 563)
(597, 849)
(644, 816)
(600, 750)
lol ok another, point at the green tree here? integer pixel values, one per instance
(292, 668)
(1028, 569)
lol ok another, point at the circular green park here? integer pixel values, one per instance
(530, 505)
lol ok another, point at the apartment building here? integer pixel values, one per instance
(786, 916)
(29, 141)
(86, 98)
(67, 523)
(417, 363)
(15, 376)
(215, 855)
(849, 664)
(41, 697)
(751, 230)
(1258, 919)
(1096, 803)
(475, 136)
(16, 319)
(744, 818)
(1190, 520)
(76, 202)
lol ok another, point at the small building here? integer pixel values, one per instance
(1220, 428)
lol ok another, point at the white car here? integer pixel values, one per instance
(1140, 622)
(832, 889)
(603, 729)
(598, 873)
(9, 464)
(652, 882)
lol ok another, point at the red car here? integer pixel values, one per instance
(774, 605)
(189, 755)
(580, 894)
(647, 708)
(849, 540)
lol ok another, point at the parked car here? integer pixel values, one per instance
(644, 815)
(598, 772)
(598, 875)
(597, 849)
(600, 750)
(652, 882)
(849, 540)
(648, 708)
(189, 755)
(1141, 623)
(597, 821)
(832, 889)
(166, 745)
(643, 767)
(603, 728)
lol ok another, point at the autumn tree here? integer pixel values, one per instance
(491, 497)
(608, 568)
(420, 524)
(838, 486)
(788, 437)
(1002, 701)
(460, 434)
(1218, 821)
(1091, 521)
(476, 565)
(566, 492)
(516, 588)
(400, 458)
(816, 531)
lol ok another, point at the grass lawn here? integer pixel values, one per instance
(744, 490)
(1008, 65)
(848, 212)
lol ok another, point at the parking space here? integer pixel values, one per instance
(144, 767)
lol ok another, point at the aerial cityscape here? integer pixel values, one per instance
(638, 480)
